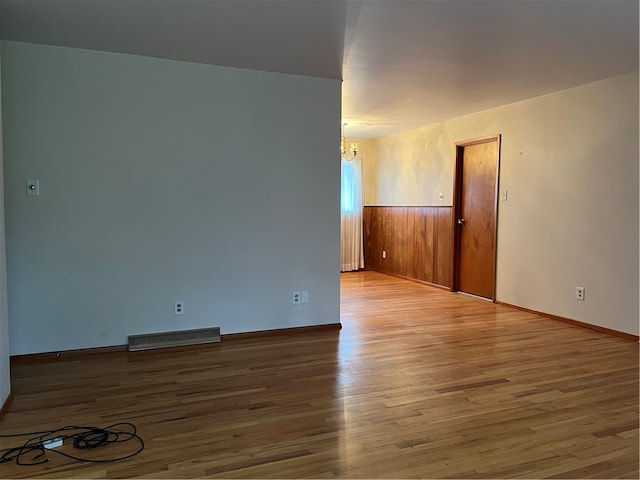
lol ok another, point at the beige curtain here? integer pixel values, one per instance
(351, 251)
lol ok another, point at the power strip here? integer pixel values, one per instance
(52, 443)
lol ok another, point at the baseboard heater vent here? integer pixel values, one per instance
(173, 339)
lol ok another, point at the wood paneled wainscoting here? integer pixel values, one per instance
(416, 242)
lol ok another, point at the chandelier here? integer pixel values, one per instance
(353, 148)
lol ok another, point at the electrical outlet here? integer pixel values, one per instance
(178, 307)
(296, 298)
(384, 254)
(441, 197)
(580, 293)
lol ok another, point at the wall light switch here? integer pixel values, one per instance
(33, 187)
(505, 195)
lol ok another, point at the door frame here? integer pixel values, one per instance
(457, 205)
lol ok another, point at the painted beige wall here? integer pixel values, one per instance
(570, 164)
(413, 167)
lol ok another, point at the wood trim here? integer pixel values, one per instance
(496, 212)
(276, 332)
(65, 354)
(5, 406)
(457, 191)
(455, 214)
(416, 280)
(477, 141)
(406, 206)
(598, 328)
(84, 352)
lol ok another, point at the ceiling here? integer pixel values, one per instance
(404, 63)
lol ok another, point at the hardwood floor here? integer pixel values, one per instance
(420, 382)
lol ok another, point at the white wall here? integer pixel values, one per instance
(164, 180)
(570, 164)
(5, 382)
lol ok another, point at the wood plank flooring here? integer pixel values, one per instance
(419, 383)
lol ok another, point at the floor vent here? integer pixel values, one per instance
(173, 339)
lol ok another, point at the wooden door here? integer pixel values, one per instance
(475, 218)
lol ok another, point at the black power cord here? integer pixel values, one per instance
(83, 438)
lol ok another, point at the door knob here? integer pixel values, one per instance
(461, 221)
